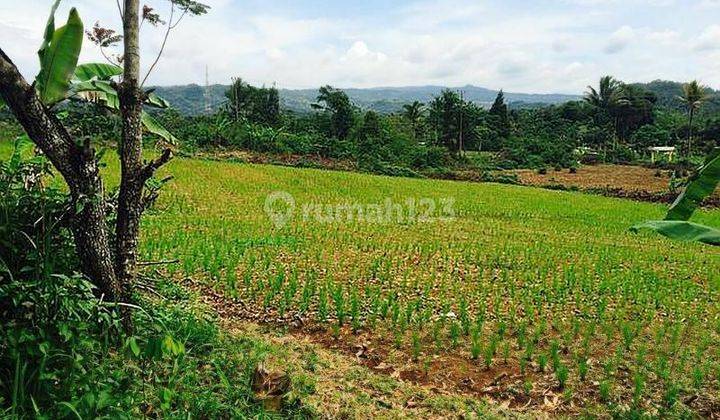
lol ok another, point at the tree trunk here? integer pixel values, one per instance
(132, 180)
(690, 133)
(78, 166)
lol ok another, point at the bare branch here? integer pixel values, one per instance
(179, 20)
(162, 47)
(122, 15)
(154, 165)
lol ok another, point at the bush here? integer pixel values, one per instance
(621, 154)
(62, 354)
(51, 324)
(536, 152)
(196, 131)
(425, 157)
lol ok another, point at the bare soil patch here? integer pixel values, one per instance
(447, 372)
(622, 181)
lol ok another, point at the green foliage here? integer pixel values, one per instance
(676, 224)
(59, 55)
(45, 336)
(500, 110)
(537, 152)
(154, 127)
(700, 186)
(102, 92)
(191, 6)
(62, 354)
(650, 135)
(683, 231)
(337, 103)
(256, 105)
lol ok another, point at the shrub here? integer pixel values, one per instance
(425, 157)
(51, 324)
(621, 154)
(534, 152)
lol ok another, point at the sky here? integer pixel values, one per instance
(541, 46)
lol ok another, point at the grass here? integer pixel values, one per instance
(558, 272)
(548, 288)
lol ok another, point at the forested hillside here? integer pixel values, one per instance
(190, 99)
(667, 95)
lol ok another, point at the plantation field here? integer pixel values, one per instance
(530, 298)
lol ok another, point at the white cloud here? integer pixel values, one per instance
(709, 4)
(514, 44)
(359, 52)
(709, 39)
(666, 36)
(619, 40)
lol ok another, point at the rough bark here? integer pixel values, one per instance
(131, 182)
(78, 166)
(134, 172)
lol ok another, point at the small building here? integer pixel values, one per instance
(656, 151)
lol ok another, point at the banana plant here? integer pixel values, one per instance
(59, 55)
(61, 77)
(676, 224)
(93, 83)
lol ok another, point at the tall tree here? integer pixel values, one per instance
(500, 109)
(606, 100)
(693, 97)
(413, 113)
(444, 112)
(338, 104)
(110, 264)
(258, 105)
(635, 111)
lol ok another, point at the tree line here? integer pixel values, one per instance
(615, 120)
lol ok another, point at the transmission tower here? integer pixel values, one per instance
(206, 93)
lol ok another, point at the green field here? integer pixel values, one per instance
(547, 290)
(548, 284)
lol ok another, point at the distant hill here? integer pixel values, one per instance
(668, 93)
(189, 99)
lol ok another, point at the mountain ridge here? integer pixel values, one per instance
(190, 99)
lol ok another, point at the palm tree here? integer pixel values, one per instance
(413, 113)
(609, 97)
(694, 96)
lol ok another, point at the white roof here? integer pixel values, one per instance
(662, 149)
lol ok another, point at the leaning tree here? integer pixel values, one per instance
(108, 254)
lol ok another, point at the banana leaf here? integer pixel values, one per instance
(702, 185)
(49, 29)
(99, 92)
(97, 71)
(59, 55)
(94, 85)
(153, 126)
(156, 102)
(682, 231)
(103, 93)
